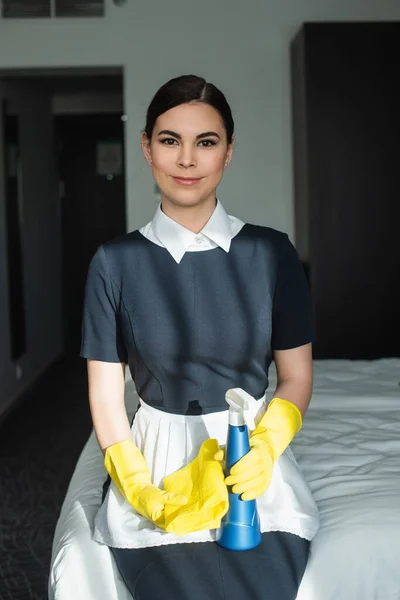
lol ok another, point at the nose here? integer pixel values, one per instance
(187, 157)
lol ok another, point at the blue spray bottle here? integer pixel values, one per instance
(240, 527)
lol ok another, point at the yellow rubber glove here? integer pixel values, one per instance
(202, 482)
(128, 469)
(252, 474)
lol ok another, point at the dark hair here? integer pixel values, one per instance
(184, 89)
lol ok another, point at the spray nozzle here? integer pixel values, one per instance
(242, 407)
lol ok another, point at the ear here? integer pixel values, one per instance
(146, 148)
(229, 152)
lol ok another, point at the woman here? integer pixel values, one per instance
(197, 302)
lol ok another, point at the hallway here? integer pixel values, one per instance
(40, 442)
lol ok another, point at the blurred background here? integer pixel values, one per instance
(314, 89)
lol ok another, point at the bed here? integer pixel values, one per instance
(349, 452)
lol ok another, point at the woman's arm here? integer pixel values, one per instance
(107, 405)
(295, 375)
(252, 474)
(123, 461)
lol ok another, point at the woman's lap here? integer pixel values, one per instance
(272, 571)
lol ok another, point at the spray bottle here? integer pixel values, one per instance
(240, 527)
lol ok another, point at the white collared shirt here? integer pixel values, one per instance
(218, 231)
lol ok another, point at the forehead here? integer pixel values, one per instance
(190, 119)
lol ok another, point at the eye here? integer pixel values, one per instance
(173, 141)
(168, 141)
(208, 143)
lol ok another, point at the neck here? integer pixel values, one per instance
(192, 217)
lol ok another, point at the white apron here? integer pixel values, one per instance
(168, 442)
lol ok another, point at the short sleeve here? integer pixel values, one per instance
(101, 331)
(292, 324)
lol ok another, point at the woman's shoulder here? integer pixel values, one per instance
(121, 246)
(122, 242)
(117, 253)
(267, 234)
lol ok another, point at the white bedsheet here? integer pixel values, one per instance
(349, 452)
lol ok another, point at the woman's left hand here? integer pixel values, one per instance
(252, 474)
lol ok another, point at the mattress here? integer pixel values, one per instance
(348, 451)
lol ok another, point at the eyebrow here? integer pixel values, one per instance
(198, 137)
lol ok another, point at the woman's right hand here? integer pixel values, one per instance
(128, 469)
(202, 482)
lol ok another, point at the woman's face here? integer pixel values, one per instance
(188, 154)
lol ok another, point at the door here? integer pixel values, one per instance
(91, 169)
(30, 238)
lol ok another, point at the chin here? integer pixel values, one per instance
(186, 196)
(185, 199)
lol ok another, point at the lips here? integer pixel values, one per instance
(186, 180)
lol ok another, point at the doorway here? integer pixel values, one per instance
(92, 190)
(62, 194)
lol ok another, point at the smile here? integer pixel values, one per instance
(186, 180)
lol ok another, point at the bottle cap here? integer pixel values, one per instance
(242, 407)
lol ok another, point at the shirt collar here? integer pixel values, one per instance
(177, 239)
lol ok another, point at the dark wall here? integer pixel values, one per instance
(346, 98)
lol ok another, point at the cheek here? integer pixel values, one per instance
(163, 160)
(208, 162)
(214, 162)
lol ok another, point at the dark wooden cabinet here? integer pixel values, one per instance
(346, 126)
